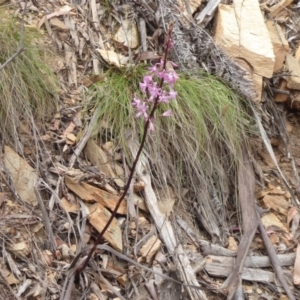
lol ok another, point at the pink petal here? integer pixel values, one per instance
(151, 126)
(172, 94)
(174, 65)
(153, 69)
(147, 79)
(167, 113)
(143, 86)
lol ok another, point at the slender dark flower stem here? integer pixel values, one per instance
(146, 127)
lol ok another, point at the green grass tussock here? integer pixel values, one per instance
(205, 108)
(197, 148)
(27, 84)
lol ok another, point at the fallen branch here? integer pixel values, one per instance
(274, 259)
(246, 185)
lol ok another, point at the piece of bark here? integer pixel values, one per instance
(246, 186)
(100, 159)
(143, 34)
(58, 24)
(22, 174)
(250, 274)
(207, 13)
(277, 203)
(232, 244)
(113, 58)
(270, 220)
(293, 66)
(208, 248)
(255, 261)
(98, 216)
(68, 206)
(140, 202)
(279, 6)
(138, 186)
(150, 248)
(279, 42)
(90, 193)
(127, 34)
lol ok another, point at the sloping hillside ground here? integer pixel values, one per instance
(213, 209)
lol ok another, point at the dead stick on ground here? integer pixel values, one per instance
(85, 137)
(274, 259)
(246, 185)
